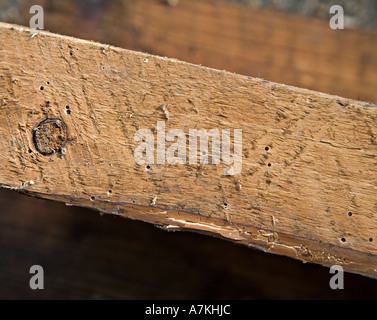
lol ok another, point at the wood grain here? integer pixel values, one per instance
(314, 202)
(277, 46)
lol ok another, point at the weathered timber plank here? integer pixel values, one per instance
(310, 196)
(277, 46)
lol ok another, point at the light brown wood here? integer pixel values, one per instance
(310, 196)
(277, 46)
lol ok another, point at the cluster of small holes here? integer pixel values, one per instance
(267, 149)
(42, 87)
(349, 213)
(67, 110)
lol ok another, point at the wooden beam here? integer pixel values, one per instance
(279, 47)
(308, 180)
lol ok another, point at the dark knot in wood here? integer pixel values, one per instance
(50, 136)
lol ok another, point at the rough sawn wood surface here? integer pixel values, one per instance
(308, 183)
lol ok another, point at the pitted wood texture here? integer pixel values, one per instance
(309, 159)
(277, 46)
